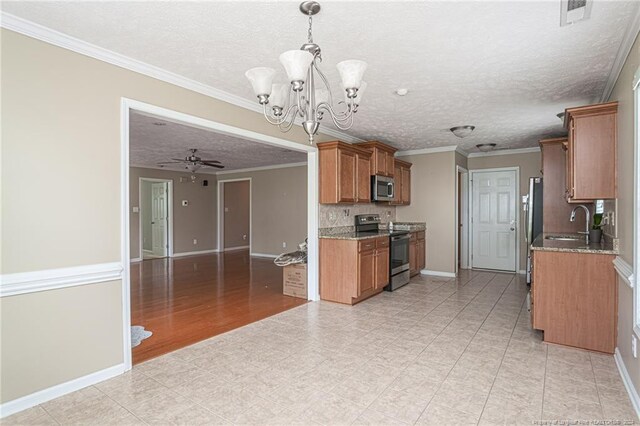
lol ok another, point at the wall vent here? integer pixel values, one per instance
(572, 11)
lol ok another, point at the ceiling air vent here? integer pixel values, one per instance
(572, 11)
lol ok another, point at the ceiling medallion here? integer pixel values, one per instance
(301, 98)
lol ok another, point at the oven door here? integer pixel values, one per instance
(399, 253)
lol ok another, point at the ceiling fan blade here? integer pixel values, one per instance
(180, 160)
(210, 161)
(206, 163)
(170, 162)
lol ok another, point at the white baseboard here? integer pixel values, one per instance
(523, 272)
(51, 279)
(137, 259)
(271, 256)
(145, 251)
(28, 401)
(236, 248)
(194, 253)
(626, 379)
(438, 273)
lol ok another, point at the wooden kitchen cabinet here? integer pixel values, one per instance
(345, 173)
(574, 298)
(556, 210)
(382, 160)
(417, 256)
(402, 180)
(591, 157)
(353, 270)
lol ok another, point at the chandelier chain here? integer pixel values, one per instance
(310, 35)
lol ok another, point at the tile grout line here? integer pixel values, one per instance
(595, 380)
(544, 383)
(515, 325)
(116, 402)
(465, 348)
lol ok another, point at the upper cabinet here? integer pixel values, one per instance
(591, 152)
(382, 161)
(402, 180)
(345, 173)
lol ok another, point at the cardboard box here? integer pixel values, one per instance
(294, 280)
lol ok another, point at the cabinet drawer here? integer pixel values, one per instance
(420, 235)
(366, 245)
(382, 242)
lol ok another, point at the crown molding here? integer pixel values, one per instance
(261, 168)
(630, 36)
(56, 38)
(431, 151)
(504, 152)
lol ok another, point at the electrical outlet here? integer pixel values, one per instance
(185, 203)
(634, 346)
(195, 241)
(612, 218)
(284, 244)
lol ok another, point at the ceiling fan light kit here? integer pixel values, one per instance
(192, 162)
(283, 103)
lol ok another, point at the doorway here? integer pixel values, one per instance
(462, 218)
(494, 219)
(155, 218)
(234, 214)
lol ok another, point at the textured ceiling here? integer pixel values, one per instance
(151, 144)
(506, 67)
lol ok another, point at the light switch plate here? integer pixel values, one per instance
(136, 209)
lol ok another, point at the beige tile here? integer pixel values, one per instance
(161, 407)
(375, 418)
(31, 416)
(439, 414)
(87, 406)
(131, 388)
(571, 409)
(404, 406)
(333, 410)
(562, 387)
(509, 411)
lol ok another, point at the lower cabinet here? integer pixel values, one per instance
(353, 270)
(574, 299)
(417, 252)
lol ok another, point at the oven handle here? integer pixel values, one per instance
(400, 237)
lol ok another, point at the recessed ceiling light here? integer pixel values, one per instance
(159, 123)
(486, 147)
(462, 131)
(402, 91)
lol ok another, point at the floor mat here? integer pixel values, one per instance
(138, 334)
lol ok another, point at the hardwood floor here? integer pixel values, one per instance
(186, 300)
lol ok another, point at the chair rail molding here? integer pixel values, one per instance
(51, 279)
(624, 270)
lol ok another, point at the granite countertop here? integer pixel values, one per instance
(348, 232)
(543, 244)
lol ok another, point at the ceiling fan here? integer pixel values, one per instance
(193, 162)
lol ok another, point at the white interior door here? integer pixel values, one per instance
(493, 220)
(159, 218)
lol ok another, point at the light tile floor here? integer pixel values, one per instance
(438, 351)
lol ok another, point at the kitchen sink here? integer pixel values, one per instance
(563, 238)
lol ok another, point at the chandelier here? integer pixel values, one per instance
(283, 103)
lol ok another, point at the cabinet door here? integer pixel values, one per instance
(569, 162)
(382, 267)
(413, 256)
(380, 161)
(366, 271)
(421, 255)
(346, 176)
(363, 181)
(391, 165)
(406, 186)
(397, 181)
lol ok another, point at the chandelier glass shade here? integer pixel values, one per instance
(303, 97)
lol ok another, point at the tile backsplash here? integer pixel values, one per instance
(332, 215)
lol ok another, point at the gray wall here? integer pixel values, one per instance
(236, 213)
(197, 221)
(623, 93)
(279, 203)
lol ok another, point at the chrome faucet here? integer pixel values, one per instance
(587, 222)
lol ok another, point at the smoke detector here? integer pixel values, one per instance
(572, 11)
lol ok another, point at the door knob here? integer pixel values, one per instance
(512, 228)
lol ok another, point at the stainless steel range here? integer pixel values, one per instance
(369, 224)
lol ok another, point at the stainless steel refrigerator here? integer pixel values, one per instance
(532, 205)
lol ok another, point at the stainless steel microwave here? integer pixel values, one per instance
(382, 188)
